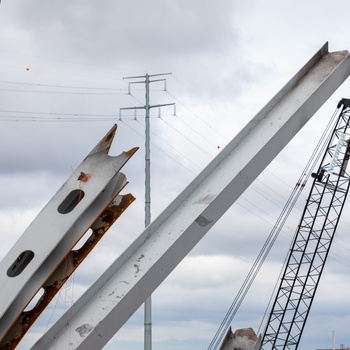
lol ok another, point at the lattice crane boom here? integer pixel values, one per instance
(312, 241)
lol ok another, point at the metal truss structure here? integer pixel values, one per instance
(312, 241)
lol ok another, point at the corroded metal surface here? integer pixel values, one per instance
(52, 286)
(84, 200)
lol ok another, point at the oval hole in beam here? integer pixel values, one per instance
(20, 263)
(71, 201)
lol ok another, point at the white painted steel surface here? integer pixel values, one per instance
(117, 294)
(58, 233)
(65, 245)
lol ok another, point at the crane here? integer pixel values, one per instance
(312, 241)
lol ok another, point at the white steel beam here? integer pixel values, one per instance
(116, 295)
(72, 211)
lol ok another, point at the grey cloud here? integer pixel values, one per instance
(110, 31)
(217, 51)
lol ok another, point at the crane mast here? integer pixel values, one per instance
(312, 241)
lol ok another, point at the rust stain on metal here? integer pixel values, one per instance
(109, 137)
(83, 177)
(107, 219)
(63, 271)
(131, 151)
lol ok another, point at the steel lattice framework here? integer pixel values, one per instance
(312, 240)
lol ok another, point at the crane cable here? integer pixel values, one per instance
(311, 164)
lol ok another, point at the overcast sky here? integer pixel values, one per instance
(62, 65)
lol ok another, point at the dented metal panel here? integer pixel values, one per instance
(74, 209)
(116, 295)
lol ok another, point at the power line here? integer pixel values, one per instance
(52, 120)
(196, 115)
(176, 151)
(56, 113)
(60, 86)
(162, 150)
(187, 138)
(64, 92)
